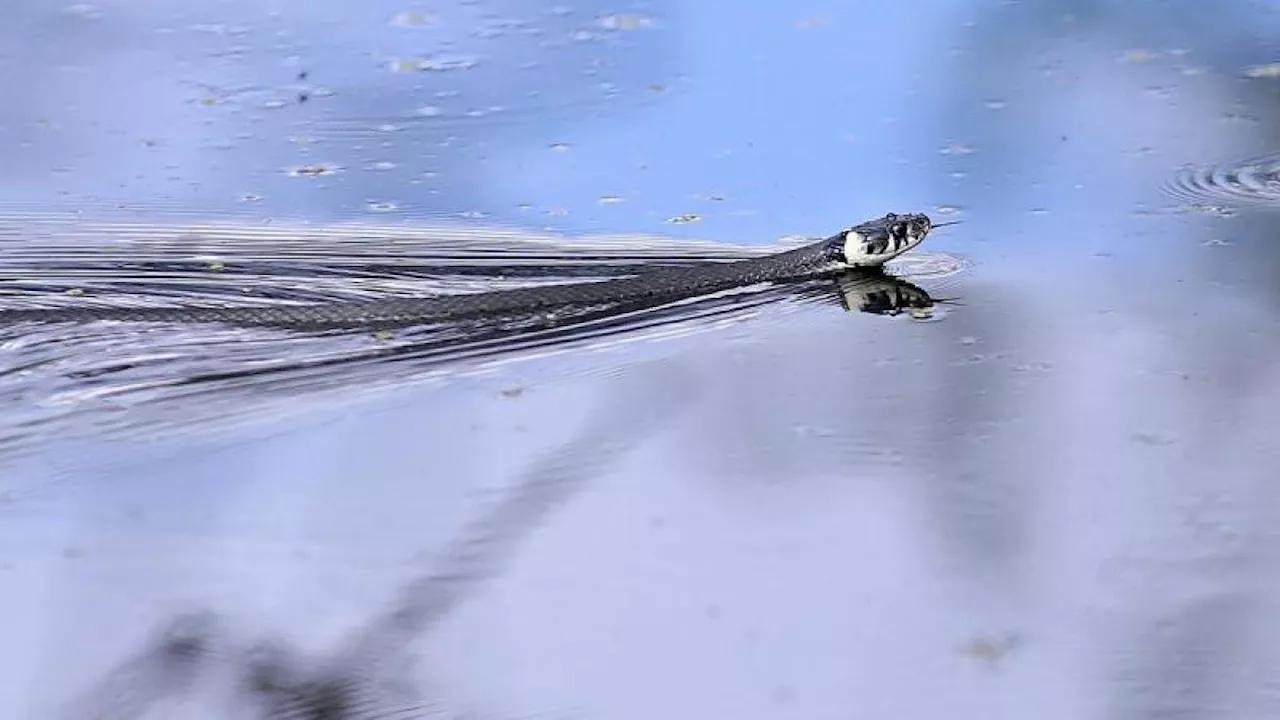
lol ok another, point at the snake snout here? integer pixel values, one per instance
(920, 226)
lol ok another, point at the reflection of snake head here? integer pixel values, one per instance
(878, 241)
(879, 293)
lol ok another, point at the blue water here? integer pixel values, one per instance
(1055, 499)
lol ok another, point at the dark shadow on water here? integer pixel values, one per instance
(371, 674)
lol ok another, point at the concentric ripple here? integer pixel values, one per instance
(1250, 183)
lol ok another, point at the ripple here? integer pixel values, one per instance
(926, 266)
(135, 381)
(1249, 183)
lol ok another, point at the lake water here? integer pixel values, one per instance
(1052, 496)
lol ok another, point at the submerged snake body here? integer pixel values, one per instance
(869, 244)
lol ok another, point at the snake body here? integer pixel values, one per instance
(869, 244)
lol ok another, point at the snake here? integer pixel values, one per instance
(868, 245)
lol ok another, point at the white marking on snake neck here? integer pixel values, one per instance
(854, 255)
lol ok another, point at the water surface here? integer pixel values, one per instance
(1054, 498)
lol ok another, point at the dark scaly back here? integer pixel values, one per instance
(808, 261)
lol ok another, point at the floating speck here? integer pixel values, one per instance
(383, 165)
(611, 200)
(684, 219)
(957, 149)
(74, 292)
(429, 111)
(381, 206)
(995, 104)
(512, 393)
(274, 104)
(1215, 210)
(83, 10)
(383, 335)
(1138, 55)
(313, 170)
(473, 214)
(217, 266)
(625, 21)
(439, 64)
(991, 650)
(948, 209)
(413, 18)
(250, 198)
(559, 147)
(1270, 71)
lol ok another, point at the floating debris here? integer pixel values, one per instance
(1270, 71)
(611, 200)
(625, 21)
(957, 149)
(411, 65)
(991, 650)
(313, 170)
(684, 219)
(381, 206)
(413, 18)
(1139, 55)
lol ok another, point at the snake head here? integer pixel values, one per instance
(877, 241)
